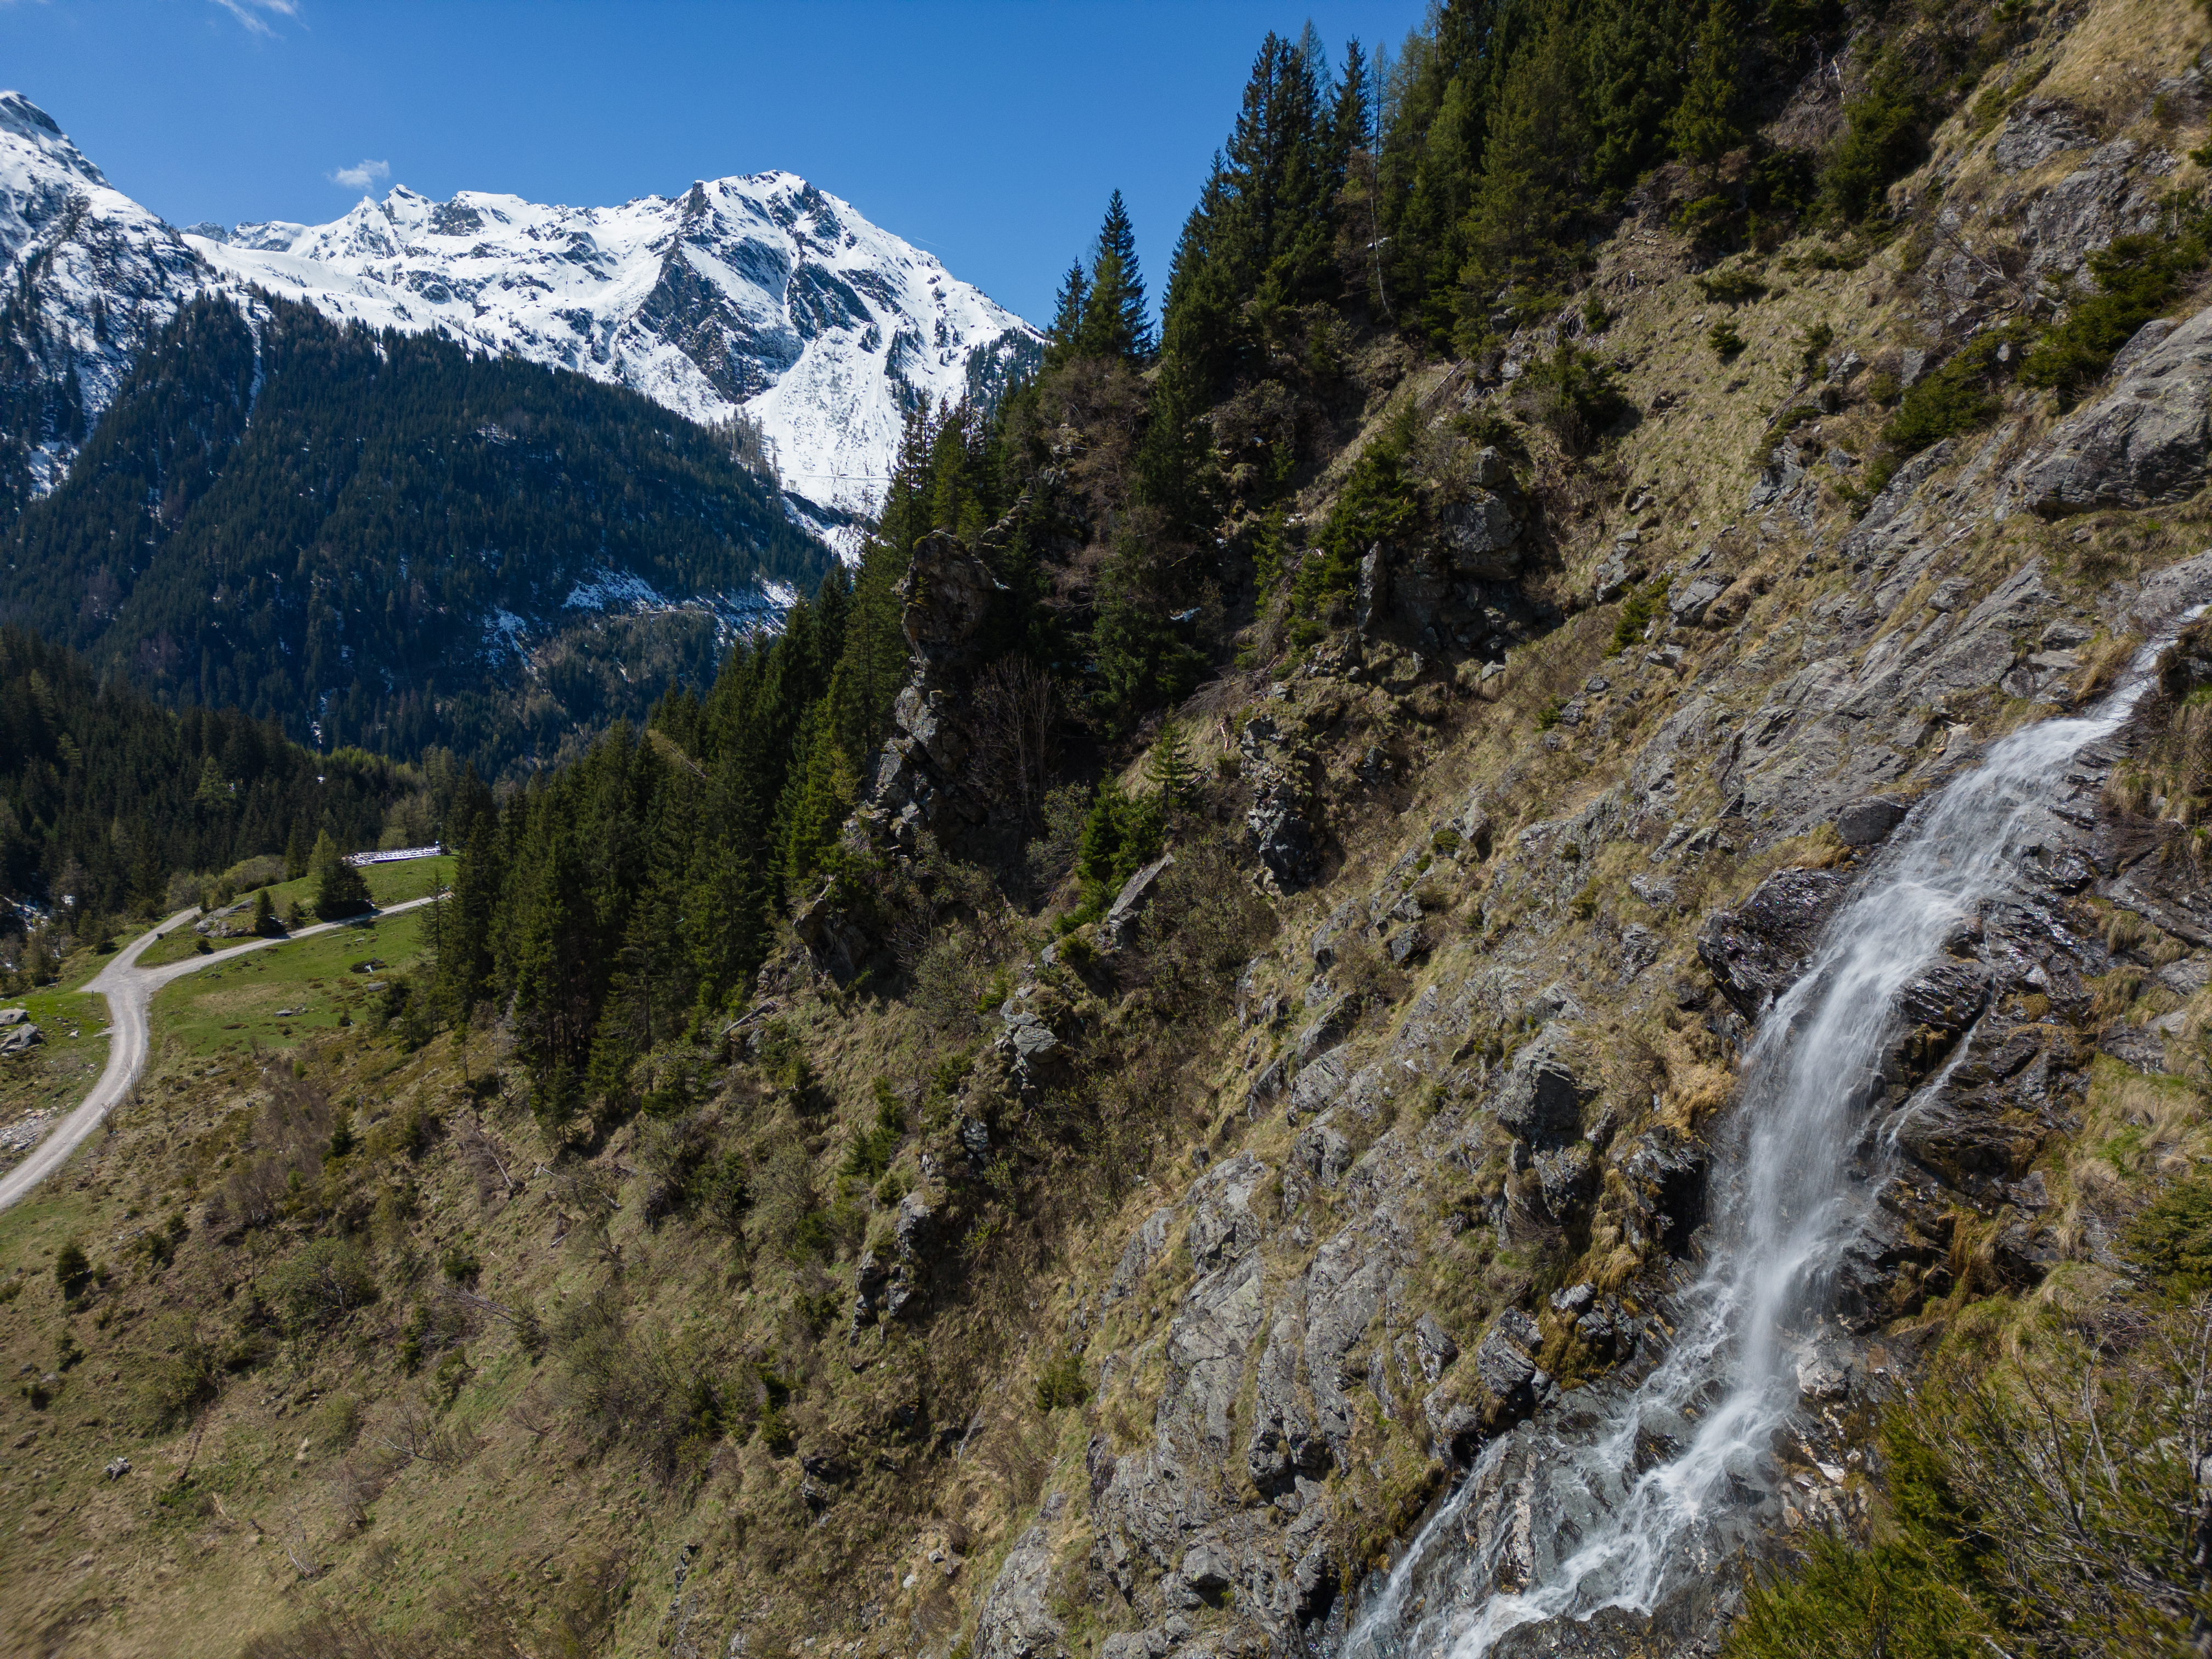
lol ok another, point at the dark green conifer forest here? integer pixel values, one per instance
(357, 535)
(326, 566)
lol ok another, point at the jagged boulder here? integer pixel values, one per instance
(946, 593)
(1546, 1088)
(1016, 1620)
(1278, 820)
(1869, 821)
(2145, 442)
(1480, 536)
(1130, 904)
(1756, 952)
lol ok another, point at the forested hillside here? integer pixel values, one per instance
(105, 796)
(1178, 1066)
(386, 541)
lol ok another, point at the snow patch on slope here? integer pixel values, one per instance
(100, 273)
(761, 293)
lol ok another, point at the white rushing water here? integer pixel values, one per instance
(1631, 1529)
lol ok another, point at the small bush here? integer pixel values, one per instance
(1571, 395)
(1732, 286)
(1949, 400)
(1636, 611)
(175, 1383)
(1726, 343)
(1060, 1382)
(1842, 1602)
(2137, 277)
(1813, 347)
(320, 1284)
(71, 1271)
(2173, 1237)
(636, 1388)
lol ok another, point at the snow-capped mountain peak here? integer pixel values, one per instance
(93, 276)
(760, 292)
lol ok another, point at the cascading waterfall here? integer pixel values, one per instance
(1631, 1538)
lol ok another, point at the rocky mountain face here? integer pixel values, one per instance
(762, 295)
(1557, 821)
(91, 278)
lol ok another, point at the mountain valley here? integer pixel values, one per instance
(1492, 938)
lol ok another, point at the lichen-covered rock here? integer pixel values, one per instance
(1546, 1088)
(1756, 952)
(2145, 442)
(1016, 1620)
(1324, 1154)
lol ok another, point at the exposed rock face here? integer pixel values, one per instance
(2144, 443)
(1298, 1340)
(1755, 953)
(1457, 587)
(1279, 820)
(1016, 1622)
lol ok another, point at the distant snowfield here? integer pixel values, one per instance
(760, 293)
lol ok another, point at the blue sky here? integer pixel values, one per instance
(989, 133)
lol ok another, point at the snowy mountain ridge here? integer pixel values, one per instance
(91, 277)
(759, 294)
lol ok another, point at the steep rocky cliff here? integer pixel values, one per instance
(1230, 1262)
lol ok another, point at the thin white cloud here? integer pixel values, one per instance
(361, 175)
(250, 12)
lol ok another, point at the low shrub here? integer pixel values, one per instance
(1731, 285)
(319, 1284)
(1060, 1382)
(1571, 395)
(2137, 276)
(2172, 1237)
(174, 1384)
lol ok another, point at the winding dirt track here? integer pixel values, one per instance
(130, 990)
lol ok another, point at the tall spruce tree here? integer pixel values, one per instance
(1704, 126)
(1066, 320)
(340, 891)
(1114, 320)
(1530, 188)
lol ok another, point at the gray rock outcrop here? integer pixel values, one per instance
(2145, 442)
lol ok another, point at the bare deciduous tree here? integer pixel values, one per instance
(1017, 713)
